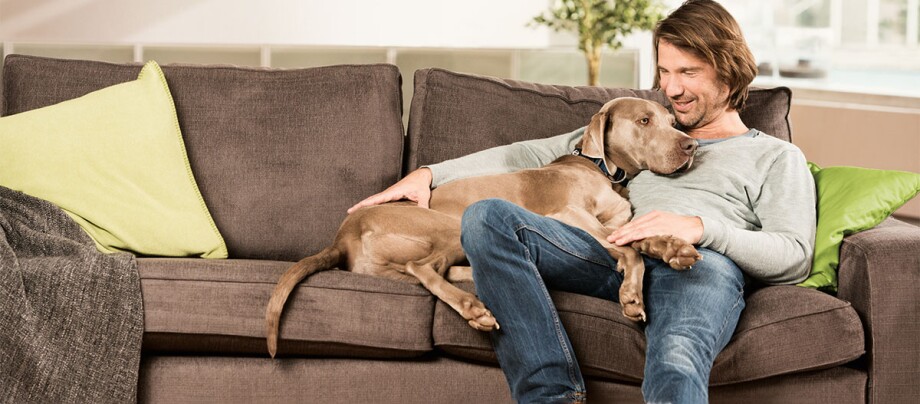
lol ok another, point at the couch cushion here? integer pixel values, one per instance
(259, 140)
(455, 114)
(122, 140)
(206, 306)
(851, 200)
(783, 329)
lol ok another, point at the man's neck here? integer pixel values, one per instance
(727, 125)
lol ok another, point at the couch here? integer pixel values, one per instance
(279, 155)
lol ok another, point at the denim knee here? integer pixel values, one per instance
(483, 218)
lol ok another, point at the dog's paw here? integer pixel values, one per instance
(631, 301)
(477, 316)
(677, 253)
(682, 255)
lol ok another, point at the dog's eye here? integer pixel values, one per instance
(643, 121)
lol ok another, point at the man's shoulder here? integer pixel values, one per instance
(771, 144)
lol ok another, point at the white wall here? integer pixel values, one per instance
(415, 23)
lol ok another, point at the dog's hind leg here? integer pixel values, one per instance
(460, 274)
(466, 304)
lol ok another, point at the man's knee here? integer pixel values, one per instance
(482, 214)
(483, 218)
(718, 266)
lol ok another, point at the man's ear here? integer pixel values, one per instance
(592, 144)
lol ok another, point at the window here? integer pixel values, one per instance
(847, 45)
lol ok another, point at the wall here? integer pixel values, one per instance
(417, 23)
(471, 24)
(835, 133)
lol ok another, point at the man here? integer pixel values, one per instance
(747, 203)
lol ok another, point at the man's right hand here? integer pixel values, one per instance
(415, 187)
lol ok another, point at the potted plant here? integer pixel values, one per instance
(600, 23)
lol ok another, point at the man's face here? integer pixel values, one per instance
(697, 95)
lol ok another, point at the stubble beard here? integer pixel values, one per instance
(697, 117)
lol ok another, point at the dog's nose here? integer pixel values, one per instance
(689, 145)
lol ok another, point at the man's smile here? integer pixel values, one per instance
(682, 106)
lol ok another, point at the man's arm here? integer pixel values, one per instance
(502, 159)
(505, 159)
(782, 251)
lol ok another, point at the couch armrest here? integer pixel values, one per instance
(879, 273)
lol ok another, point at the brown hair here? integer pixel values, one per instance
(705, 29)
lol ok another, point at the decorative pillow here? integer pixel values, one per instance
(115, 161)
(850, 200)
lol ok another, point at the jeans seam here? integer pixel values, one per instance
(727, 318)
(557, 323)
(553, 242)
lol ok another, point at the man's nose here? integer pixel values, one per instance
(672, 87)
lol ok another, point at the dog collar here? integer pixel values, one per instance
(618, 177)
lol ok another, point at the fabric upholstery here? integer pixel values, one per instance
(455, 114)
(783, 330)
(228, 380)
(879, 272)
(196, 306)
(259, 140)
(204, 379)
(836, 385)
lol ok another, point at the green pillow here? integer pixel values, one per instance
(114, 160)
(850, 200)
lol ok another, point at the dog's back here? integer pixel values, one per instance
(567, 181)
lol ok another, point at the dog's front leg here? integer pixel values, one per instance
(678, 253)
(633, 268)
(629, 261)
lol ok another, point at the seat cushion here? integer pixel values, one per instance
(259, 140)
(455, 114)
(208, 306)
(782, 330)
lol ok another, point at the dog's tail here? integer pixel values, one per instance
(326, 259)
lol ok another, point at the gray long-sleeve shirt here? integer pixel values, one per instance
(753, 192)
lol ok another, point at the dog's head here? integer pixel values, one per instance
(635, 134)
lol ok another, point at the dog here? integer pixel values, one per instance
(402, 241)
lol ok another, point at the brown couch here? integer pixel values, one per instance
(280, 154)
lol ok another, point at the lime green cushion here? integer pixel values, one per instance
(850, 200)
(115, 161)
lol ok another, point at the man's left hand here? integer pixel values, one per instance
(658, 223)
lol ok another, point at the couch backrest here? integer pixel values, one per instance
(279, 155)
(454, 114)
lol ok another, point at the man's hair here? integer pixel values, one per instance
(705, 29)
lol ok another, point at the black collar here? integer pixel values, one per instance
(618, 177)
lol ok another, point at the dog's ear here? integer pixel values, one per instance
(592, 144)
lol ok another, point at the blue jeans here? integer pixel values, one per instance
(517, 256)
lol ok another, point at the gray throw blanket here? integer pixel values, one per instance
(71, 318)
